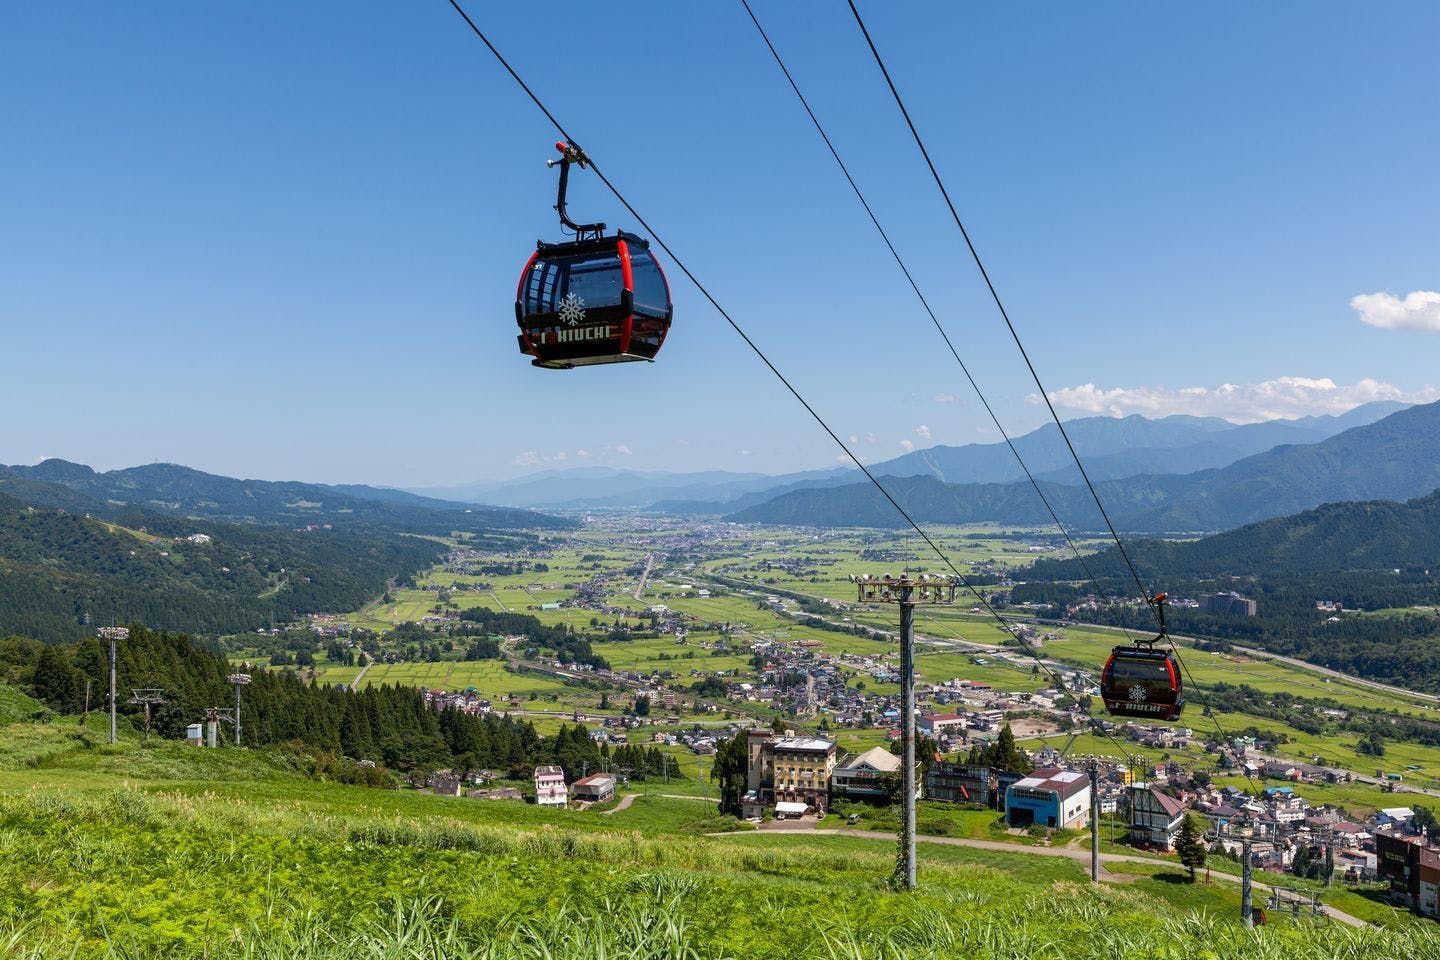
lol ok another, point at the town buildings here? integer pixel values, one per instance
(787, 769)
(1413, 868)
(1049, 797)
(1228, 603)
(864, 777)
(964, 783)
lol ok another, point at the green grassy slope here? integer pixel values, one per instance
(168, 851)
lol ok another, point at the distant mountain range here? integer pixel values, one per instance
(1112, 448)
(1393, 458)
(168, 488)
(607, 488)
(1125, 447)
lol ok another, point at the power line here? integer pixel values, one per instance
(680, 264)
(944, 335)
(1145, 592)
(995, 295)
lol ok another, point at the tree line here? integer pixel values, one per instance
(389, 725)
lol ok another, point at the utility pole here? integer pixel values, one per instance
(1092, 765)
(1247, 913)
(238, 680)
(906, 591)
(1327, 842)
(113, 634)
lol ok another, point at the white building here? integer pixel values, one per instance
(550, 787)
(864, 776)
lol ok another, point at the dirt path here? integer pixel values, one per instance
(624, 804)
(1080, 855)
(629, 798)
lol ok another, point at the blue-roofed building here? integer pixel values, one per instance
(1050, 797)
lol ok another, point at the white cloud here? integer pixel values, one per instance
(1419, 310)
(907, 445)
(621, 449)
(945, 398)
(923, 432)
(1285, 397)
(527, 459)
(743, 452)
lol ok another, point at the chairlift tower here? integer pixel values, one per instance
(113, 635)
(148, 697)
(1244, 831)
(213, 716)
(238, 680)
(1092, 766)
(907, 592)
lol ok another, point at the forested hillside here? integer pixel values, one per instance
(172, 489)
(57, 569)
(1365, 556)
(1358, 536)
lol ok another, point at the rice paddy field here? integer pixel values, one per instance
(744, 570)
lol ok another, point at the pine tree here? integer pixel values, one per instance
(1189, 846)
(731, 769)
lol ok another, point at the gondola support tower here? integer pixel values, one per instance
(907, 592)
(114, 635)
(238, 680)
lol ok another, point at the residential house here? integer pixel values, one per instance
(1155, 817)
(446, 786)
(1395, 817)
(550, 787)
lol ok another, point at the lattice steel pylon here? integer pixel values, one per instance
(907, 591)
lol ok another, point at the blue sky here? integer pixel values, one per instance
(281, 240)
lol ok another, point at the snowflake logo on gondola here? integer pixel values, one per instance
(1137, 694)
(572, 308)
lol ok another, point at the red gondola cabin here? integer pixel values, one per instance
(1141, 682)
(600, 300)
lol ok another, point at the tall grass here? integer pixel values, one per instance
(127, 875)
(423, 929)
